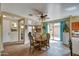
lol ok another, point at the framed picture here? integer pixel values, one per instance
(13, 26)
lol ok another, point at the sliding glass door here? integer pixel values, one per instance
(57, 31)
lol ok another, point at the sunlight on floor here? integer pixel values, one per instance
(53, 41)
(56, 38)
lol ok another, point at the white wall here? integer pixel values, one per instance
(26, 32)
(26, 37)
(8, 36)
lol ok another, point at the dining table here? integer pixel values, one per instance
(41, 39)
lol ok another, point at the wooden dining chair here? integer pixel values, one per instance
(33, 44)
(44, 41)
(31, 41)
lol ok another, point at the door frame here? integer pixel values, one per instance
(19, 35)
(60, 29)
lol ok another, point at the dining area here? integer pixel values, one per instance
(38, 41)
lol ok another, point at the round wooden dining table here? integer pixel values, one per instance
(41, 40)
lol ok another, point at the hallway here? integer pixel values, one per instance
(56, 49)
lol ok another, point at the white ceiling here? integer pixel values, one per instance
(22, 8)
(70, 5)
(54, 10)
(66, 5)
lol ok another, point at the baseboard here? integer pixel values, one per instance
(75, 54)
(13, 43)
(26, 42)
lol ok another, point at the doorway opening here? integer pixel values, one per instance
(55, 31)
(21, 30)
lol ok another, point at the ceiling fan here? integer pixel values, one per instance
(42, 14)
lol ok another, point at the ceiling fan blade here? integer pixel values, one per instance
(45, 15)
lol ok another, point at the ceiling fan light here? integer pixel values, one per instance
(4, 16)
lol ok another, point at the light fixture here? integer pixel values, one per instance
(4, 16)
(33, 27)
(15, 25)
(71, 8)
(22, 27)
